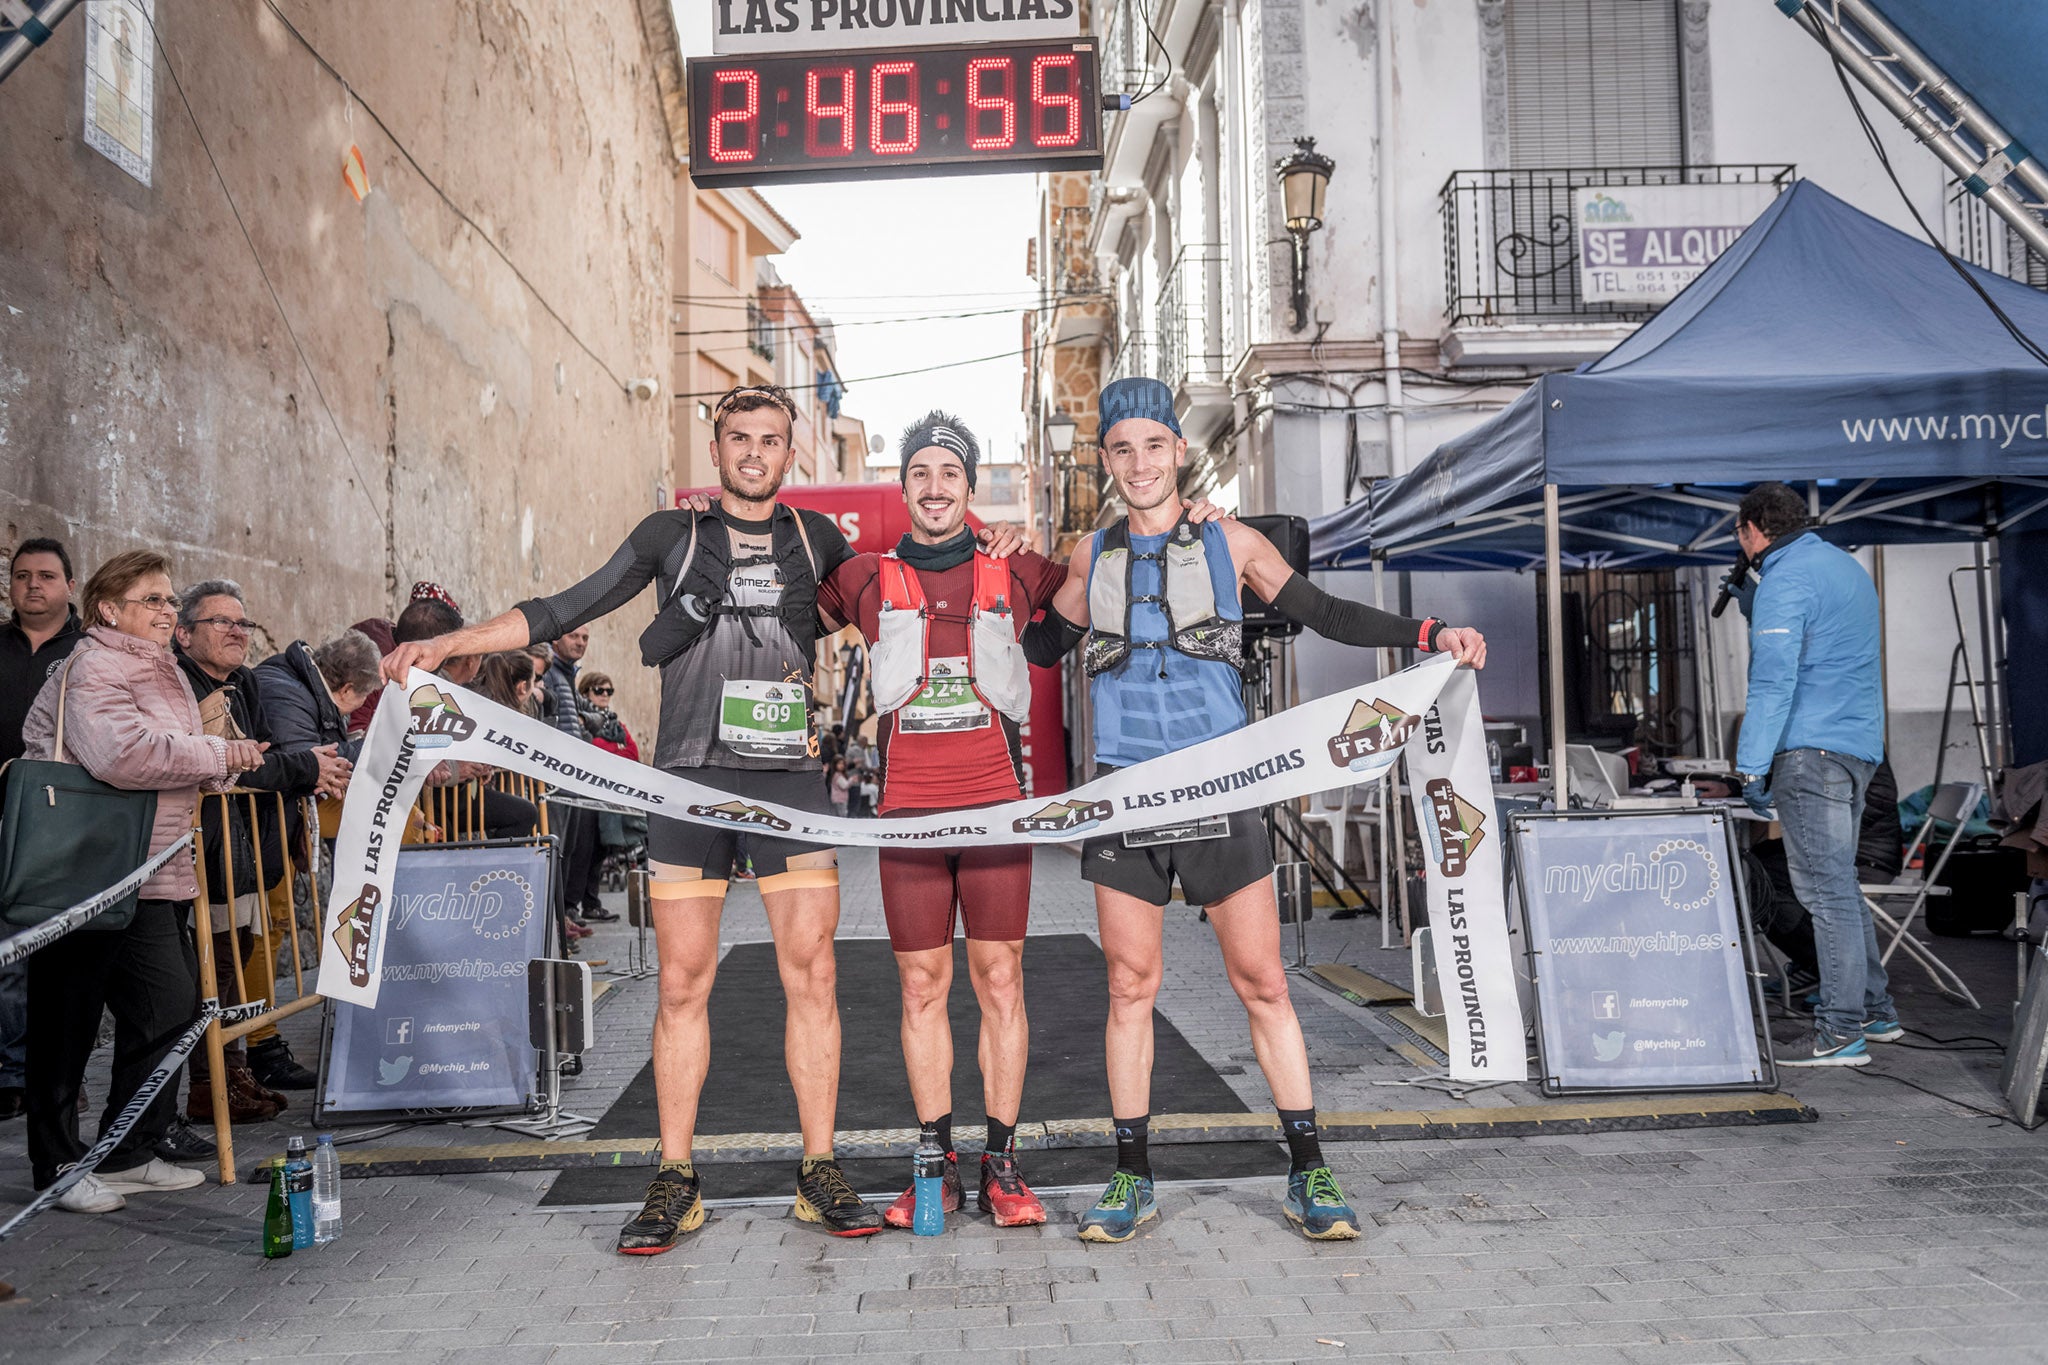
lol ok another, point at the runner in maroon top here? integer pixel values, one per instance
(944, 624)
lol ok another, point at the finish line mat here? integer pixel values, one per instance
(746, 1093)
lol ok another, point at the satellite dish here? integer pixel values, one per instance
(876, 445)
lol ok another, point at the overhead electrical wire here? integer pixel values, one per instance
(1011, 354)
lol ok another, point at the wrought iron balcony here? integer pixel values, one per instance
(1081, 488)
(1981, 237)
(1137, 356)
(1190, 334)
(1511, 239)
(760, 331)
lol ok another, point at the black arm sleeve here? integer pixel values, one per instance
(631, 568)
(1346, 622)
(1048, 641)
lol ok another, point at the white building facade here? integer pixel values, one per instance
(1443, 280)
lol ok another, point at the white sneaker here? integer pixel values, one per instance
(90, 1195)
(150, 1177)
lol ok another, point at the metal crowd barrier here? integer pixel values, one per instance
(218, 1033)
(457, 808)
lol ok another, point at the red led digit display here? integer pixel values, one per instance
(912, 111)
(828, 111)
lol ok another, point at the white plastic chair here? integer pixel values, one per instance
(1955, 803)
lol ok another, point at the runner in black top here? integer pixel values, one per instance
(734, 635)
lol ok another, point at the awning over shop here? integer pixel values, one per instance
(1823, 348)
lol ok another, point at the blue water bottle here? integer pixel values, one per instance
(298, 1185)
(928, 1171)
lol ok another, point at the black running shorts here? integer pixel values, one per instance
(719, 852)
(1208, 869)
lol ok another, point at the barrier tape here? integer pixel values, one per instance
(13, 950)
(126, 1119)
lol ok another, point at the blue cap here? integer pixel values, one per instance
(1139, 397)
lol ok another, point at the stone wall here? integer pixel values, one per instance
(443, 422)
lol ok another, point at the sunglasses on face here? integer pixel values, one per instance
(600, 691)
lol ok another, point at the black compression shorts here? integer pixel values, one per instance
(719, 852)
(1209, 869)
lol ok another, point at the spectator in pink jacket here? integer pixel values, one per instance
(131, 721)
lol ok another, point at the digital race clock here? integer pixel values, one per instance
(908, 111)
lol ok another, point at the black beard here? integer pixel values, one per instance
(725, 482)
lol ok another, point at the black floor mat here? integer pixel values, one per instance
(747, 1090)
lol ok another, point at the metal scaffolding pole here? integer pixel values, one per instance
(31, 29)
(1932, 107)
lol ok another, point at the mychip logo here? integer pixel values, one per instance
(352, 933)
(742, 814)
(437, 721)
(1460, 826)
(1064, 817)
(1373, 728)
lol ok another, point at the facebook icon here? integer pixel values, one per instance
(397, 1031)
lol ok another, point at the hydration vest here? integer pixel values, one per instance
(696, 587)
(1188, 596)
(899, 660)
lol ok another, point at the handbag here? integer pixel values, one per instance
(66, 836)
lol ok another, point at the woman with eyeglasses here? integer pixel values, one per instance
(607, 731)
(131, 720)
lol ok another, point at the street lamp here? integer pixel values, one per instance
(1060, 430)
(1304, 181)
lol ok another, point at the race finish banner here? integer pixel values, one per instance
(1430, 711)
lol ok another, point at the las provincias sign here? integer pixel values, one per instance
(767, 26)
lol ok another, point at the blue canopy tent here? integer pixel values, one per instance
(1822, 348)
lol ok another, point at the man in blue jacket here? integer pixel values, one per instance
(1812, 737)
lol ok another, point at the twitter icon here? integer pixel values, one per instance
(1606, 1046)
(392, 1070)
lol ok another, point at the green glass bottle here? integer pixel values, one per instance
(277, 1218)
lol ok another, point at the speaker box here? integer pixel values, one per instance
(1289, 536)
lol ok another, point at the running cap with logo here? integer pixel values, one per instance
(945, 431)
(1140, 397)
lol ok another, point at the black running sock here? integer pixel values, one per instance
(939, 1130)
(1002, 1137)
(1132, 1136)
(681, 1170)
(1304, 1143)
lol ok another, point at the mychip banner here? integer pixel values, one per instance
(448, 1030)
(1430, 711)
(1637, 952)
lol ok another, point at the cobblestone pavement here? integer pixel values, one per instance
(1901, 1227)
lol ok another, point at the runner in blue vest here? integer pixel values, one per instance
(1159, 599)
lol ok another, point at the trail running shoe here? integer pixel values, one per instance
(1005, 1196)
(951, 1197)
(1316, 1206)
(1828, 1050)
(1885, 1030)
(674, 1207)
(1126, 1203)
(824, 1196)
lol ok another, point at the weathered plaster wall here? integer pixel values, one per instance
(151, 395)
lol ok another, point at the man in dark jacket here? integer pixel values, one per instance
(36, 639)
(213, 649)
(578, 826)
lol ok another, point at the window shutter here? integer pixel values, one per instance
(1593, 83)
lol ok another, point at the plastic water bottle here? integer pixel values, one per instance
(928, 1169)
(298, 1187)
(1493, 760)
(326, 1191)
(277, 1218)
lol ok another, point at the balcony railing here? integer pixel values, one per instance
(1981, 237)
(1511, 239)
(760, 331)
(1081, 490)
(1190, 340)
(1136, 357)
(1127, 50)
